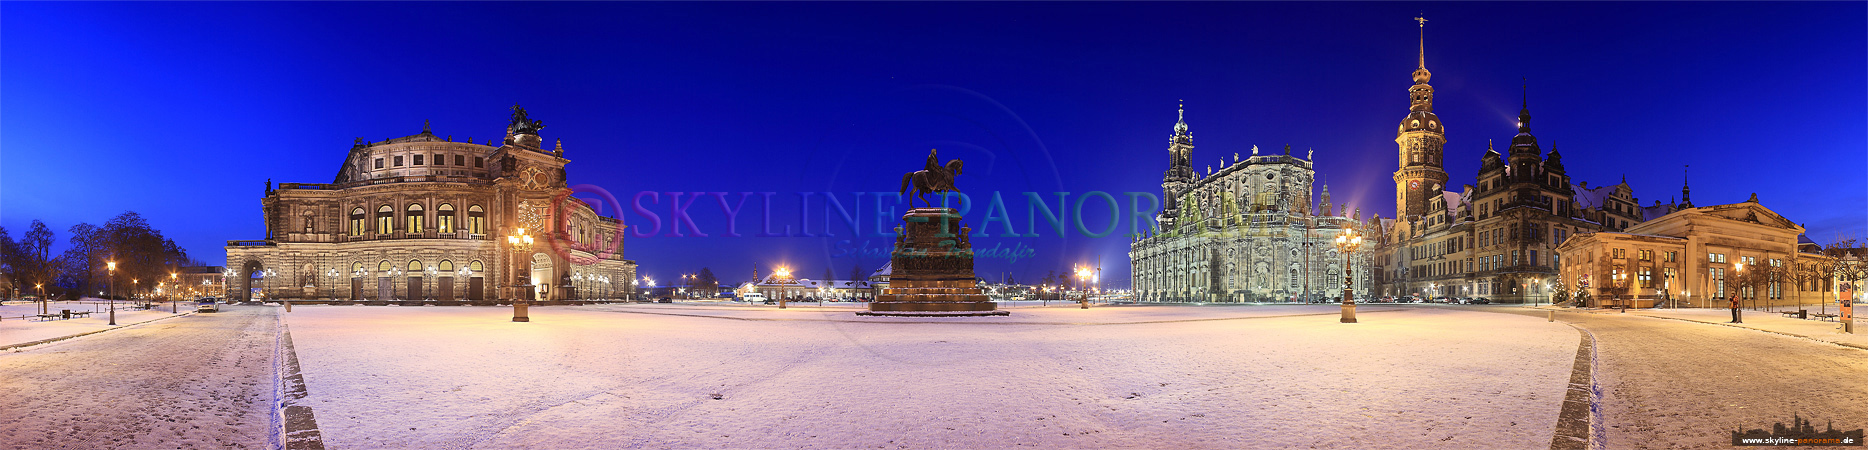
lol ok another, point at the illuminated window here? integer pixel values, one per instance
(385, 219)
(476, 220)
(356, 222)
(414, 218)
(1645, 277)
(444, 218)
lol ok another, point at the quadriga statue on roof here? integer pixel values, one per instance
(935, 179)
(522, 124)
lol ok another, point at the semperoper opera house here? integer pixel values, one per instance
(422, 218)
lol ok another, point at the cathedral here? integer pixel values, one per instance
(1244, 232)
(1496, 239)
(422, 219)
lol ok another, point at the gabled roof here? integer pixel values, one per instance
(1592, 197)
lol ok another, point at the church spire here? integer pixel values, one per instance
(1686, 192)
(1180, 123)
(1423, 40)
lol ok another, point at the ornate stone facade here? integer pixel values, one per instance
(1498, 239)
(422, 217)
(1246, 232)
(1693, 258)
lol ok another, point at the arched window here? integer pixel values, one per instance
(476, 221)
(446, 266)
(383, 266)
(1294, 281)
(475, 266)
(357, 266)
(444, 218)
(385, 219)
(356, 221)
(415, 267)
(414, 218)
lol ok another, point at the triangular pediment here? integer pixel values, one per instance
(1751, 213)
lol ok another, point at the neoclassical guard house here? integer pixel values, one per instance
(1694, 257)
(423, 218)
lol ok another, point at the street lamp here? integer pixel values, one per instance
(782, 273)
(1083, 276)
(650, 290)
(521, 243)
(267, 276)
(172, 307)
(428, 276)
(332, 274)
(111, 285)
(1348, 241)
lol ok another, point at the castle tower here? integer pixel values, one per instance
(1180, 173)
(1420, 139)
(1525, 156)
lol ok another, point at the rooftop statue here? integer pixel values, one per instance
(522, 124)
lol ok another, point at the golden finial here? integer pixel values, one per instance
(1423, 39)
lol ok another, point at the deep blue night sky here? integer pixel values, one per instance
(181, 111)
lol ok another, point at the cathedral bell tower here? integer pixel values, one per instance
(1420, 138)
(1180, 174)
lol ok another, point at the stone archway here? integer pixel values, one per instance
(541, 276)
(245, 281)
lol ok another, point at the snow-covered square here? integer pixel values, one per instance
(703, 376)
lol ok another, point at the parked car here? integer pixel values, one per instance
(207, 305)
(1481, 301)
(755, 297)
(665, 300)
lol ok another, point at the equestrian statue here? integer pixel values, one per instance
(935, 179)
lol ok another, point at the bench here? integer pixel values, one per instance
(1825, 317)
(1790, 313)
(45, 317)
(80, 313)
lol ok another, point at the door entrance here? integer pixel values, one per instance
(356, 288)
(476, 289)
(445, 290)
(415, 289)
(383, 292)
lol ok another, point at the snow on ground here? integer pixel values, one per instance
(1825, 331)
(614, 376)
(204, 381)
(17, 331)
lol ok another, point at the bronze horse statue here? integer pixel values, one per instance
(933, 180)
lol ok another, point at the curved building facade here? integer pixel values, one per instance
(422, 218)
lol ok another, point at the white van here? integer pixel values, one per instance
(753, 297)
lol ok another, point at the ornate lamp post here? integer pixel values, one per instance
(521, 243)
(392, 274)
(1621, 285)
(650, 289)
(1083, 277)
(462, 279)
(178, 285)
(359, 273)
(1348, 241)
(111, 285)
(783, 273)
(268, 276)
(331, 275)
(428, 276)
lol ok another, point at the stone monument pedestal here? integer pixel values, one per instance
(931, 270)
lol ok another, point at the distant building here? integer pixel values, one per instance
(1694, 257)
(422, 217)
(776, 287)
(202, 281)
(1244, 232)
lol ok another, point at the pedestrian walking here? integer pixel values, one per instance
(1735, 316)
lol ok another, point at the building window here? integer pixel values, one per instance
(1556, 260)
(1645, 255)
(444, 218)
(1645, 277)
(414, 217)
(476, 220)
(415, 267)
(1671, 256)
(1534, 260)
(1514, 258)
(440, 160)
(1667, 275)
(398, 161)
(356, 222)
(479, 162)
(385, 219)
(379, 163)
(1718, 282)
(460, 160)
(418, 160)
(1620, 253)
